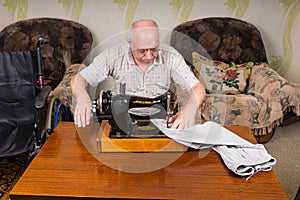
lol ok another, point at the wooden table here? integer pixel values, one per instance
(65, 169)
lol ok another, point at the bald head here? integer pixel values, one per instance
(144, 34)
(144, 23)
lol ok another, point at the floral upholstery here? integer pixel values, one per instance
(208, 45)
(279, 93)
(69, 42)
(220, 77)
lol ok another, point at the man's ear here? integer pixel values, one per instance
(130, 42)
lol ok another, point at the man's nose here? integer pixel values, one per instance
(149, 54)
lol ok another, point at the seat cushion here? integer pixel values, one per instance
(240, 109)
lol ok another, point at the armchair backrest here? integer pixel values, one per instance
(69, 42)
(222, 38)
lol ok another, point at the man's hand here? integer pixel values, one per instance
(186, 116)
(82, 114)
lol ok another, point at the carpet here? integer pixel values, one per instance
(10, 172)
(284, 146)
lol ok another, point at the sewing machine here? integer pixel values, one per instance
(129, 116)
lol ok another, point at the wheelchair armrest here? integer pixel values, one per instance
(41, 98)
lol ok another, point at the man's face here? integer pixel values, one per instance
(144, 45)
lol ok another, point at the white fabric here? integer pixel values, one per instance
(239, 155)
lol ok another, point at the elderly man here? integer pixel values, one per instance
(147, 67)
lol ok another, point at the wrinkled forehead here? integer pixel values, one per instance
(144, 38)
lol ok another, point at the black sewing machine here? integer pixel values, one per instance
(129, 116)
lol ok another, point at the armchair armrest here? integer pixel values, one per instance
(276, 91)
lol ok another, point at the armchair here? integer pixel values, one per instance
(229, 58)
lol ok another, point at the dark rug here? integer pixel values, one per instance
(10, 171)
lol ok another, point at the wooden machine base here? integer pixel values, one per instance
(106, 144)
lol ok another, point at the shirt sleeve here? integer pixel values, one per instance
(96, 71)
(181, 72)
(103, 64)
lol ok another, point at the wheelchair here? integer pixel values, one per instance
(33, 98)
(23, 102)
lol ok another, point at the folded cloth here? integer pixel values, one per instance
(239, 155)
(246, 161)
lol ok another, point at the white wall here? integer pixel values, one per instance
(109, 18)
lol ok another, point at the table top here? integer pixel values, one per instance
(65, 168)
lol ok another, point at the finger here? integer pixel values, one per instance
(188, 124)
(171, 119)
(88, 116)
(82, 118)
(79, 117)
(175, 124)
(75, 120)
(182, 126)
(76, 116)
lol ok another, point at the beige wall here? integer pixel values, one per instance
(278, 20)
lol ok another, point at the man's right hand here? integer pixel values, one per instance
(82, 114)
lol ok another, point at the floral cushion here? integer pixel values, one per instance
(219, 77)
